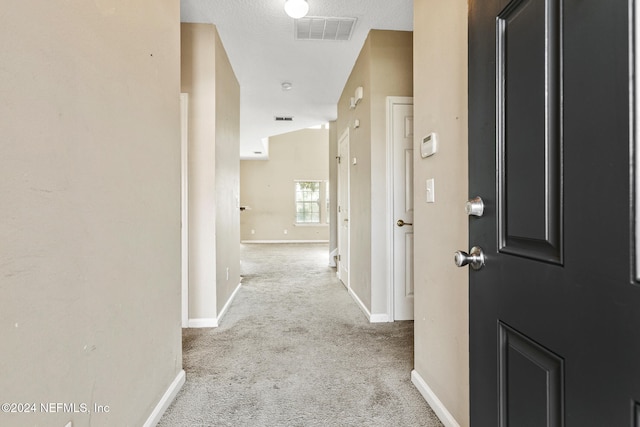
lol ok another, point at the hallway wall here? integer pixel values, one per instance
(227, 124)
(214, 165)
(383, 68)
(90, 208)
(441, 228)
(198, 64)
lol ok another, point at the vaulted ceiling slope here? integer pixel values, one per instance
(263, 50)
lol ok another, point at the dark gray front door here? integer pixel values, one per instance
(555, 311)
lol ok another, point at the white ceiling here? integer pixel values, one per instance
(259, 39)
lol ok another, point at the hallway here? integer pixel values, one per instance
(295, 350)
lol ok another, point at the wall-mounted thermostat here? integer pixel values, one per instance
(429, 145)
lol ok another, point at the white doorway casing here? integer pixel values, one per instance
(343, 209)
(400, 207)
(184, 172)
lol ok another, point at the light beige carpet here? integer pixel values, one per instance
(295, 350)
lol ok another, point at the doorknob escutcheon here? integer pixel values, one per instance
(401, 223)
(475, 258)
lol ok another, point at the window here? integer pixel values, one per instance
(312, 202)
(308, 202)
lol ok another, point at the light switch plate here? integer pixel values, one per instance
(431, 191)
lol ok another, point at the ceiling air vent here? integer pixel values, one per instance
(324, 28)
(284, 118)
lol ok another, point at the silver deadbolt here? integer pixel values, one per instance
(475, 259)
(474, 207)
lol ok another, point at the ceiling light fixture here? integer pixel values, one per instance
(287, 86)
(296, 8)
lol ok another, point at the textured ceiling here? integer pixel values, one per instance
(260, 41)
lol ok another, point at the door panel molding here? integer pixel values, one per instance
(408, 265)
(529, 110)
(531, 380)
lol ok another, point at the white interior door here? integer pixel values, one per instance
(401, 135)
(343, 208)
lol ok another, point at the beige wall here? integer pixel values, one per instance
(90, 210)
(383, 68)
(360, 174)
(441, 228)
(392, 75)
(227, 177)
(214, 132)
(267, 186)
(198, 61)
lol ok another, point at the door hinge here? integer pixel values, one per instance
(339, 209)
(338, 158)
(339, 258)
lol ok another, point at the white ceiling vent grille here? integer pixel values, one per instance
(324, 28)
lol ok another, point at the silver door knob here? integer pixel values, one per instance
(474, 207)
(475, 259)
(401, 223)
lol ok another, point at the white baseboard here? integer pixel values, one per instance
(438, 407)
(284, 241)
(203, 323)
(214, 322)
(226, 306)
(360, 304)
(372, 318)
(166, 400)
(379, 318)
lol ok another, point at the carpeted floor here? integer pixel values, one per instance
(295, 350)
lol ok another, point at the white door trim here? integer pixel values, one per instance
(184, 173)
(391, 101)
(346, 280)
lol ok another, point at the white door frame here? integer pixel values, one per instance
(184, 174)
(391, 101)
(345, 280)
